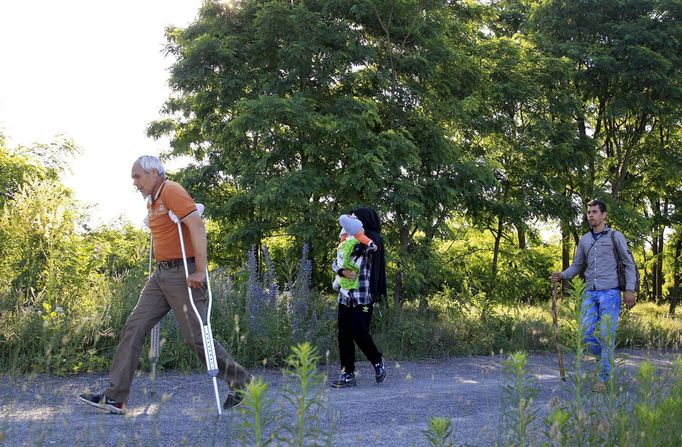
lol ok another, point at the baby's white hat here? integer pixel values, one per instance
(350, 224)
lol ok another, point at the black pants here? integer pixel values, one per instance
(354, 328)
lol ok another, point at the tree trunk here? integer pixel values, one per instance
(398, 286)
(657, 249)
(659, 271)
(404, 249)
(496, 253)
(654, 266)
(675, 294)
(645, 278)
(565, 244)
(521, 232)
(661, 244)
(565, 250)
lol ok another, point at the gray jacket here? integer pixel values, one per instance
(595, 258)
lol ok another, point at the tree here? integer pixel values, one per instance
(626, 56)
(296, 112)
(15, 170)
(523, 127)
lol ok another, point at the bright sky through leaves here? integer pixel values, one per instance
(94, 71)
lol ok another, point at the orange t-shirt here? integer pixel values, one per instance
(164, 230)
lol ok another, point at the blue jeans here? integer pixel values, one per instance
(601, 307)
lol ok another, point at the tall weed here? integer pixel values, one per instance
(643, 413)
(306, 393)
(259, 426)
(299, 419)
(439, 433)
(518, 394)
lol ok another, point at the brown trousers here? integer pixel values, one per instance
(166, 290)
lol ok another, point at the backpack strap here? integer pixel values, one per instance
(594, 241)
(613, 244)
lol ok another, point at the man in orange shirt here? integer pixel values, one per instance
(167, 289)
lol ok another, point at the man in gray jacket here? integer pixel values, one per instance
(595, 257)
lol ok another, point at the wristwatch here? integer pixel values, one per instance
(628, 290)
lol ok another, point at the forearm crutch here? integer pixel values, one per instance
(155, 338)
(207, 336)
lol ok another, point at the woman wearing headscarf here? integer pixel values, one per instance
(355, 309)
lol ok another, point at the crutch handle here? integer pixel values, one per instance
(173, 217)
(176, 219)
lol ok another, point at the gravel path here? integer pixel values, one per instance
(43, 410)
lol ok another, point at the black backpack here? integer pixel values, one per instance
(620, 267)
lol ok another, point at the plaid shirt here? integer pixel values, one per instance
(360, 296)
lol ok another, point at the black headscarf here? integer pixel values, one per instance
(372, 226)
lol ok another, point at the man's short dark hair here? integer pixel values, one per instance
(599, 203)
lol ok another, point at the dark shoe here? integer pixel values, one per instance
(346, 380)
(380, 371)
(235, 396)
(234, 399)
(103, 402)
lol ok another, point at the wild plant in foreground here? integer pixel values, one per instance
(259, 421)
(614, 416)
(653, 418)
(612, 393)
(568, 422)
(516, 405)
(304, 389)
(295, 420)
(439, 432)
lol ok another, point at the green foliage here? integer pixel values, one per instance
(505, 113)
(439, 432)
(306, 392)
(616, 417)
(118, 248)
(255, 320)
(625, 80)
(518, 393)
(465, 262)
(655, 417)
(41, 161)
(258, 427)
(447, 327)
(647, 417)
(15, 171)
(52, 157)
(296, 421)
(297, 112)
(60, 287)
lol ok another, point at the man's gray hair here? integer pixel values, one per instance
(149, 162)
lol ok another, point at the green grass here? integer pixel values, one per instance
(67, 341)
(648, 416)
(441, 330)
